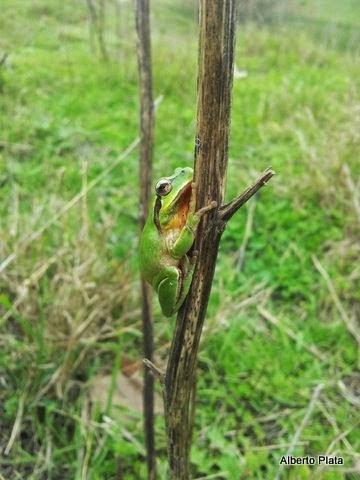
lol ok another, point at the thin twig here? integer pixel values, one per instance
(302, 425)
(159, 374)
(142, 16)
(348, 322)
(227, 211)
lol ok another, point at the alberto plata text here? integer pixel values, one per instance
(308, 460)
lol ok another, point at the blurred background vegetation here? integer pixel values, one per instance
(284, 312)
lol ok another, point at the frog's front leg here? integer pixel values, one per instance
(186, 237)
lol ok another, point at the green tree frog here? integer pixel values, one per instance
(167, 237)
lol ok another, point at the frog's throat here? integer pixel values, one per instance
(175, 215)
(183, 197)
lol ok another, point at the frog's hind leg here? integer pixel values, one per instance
(172, 290)
(169, 290)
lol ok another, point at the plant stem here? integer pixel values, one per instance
(216, 44)
(146, 146)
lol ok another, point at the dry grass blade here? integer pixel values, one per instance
(79, 196)
(348, 322)
(35, 235)
(348, 395)
(61, 374)
(17, 424)
(279, 446)
(339, 436)
(274, 321)
(22, 147)
(84, 207)
(326, 411)
(30, 281)
(352, 188)
(213, 476)
(87, 431)
(302, 425)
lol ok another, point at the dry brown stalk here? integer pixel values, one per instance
(215, 74)
(145, 172)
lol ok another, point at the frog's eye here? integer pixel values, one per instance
(163, 187)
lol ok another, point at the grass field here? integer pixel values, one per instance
(279, 358)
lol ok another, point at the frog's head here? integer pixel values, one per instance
(175, 194)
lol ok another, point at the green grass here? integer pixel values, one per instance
(69, 302)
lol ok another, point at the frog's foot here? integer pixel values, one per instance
(192, 205)
(207, 208)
